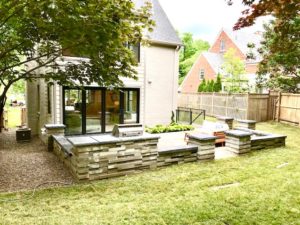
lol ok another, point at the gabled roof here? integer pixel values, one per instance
(163, 32)
(241, 38)
(215, 60)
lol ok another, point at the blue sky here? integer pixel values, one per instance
(204, 18)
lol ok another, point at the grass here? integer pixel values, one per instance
(181, 194)
(14, 116)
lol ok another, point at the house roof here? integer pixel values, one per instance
(215, 60)
(163, 32)
(242, 38)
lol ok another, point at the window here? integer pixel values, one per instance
(201, 74)
(93, 110)
(222, 46)
(49, 98)
(136, 49)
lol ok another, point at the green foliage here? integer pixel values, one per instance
(189, 54)
(18, 87)
(202, 86)
(180, 194)
(280, 52)
(234, 68)
(37, 32)
(210, 85)
(174, 127)
(218, 84)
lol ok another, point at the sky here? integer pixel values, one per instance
(204, 18)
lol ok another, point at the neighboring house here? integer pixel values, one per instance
(149, 100)
(209, 64)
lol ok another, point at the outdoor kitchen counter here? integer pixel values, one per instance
(90, 140)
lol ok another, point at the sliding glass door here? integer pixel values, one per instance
(93, 111)
(97, 110)
(73, 111)
(112, 109)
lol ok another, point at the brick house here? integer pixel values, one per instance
(96, 109)
(209, 64)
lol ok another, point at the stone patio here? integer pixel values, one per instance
(168, 140)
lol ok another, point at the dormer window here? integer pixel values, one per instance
(201, 74)
(222, 46)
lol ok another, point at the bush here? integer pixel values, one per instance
(174, 127)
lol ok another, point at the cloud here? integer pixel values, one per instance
(204, 18)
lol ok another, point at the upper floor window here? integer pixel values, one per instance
(136, 49)
(222, 46)
(201, 74)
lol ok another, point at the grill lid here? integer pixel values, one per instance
(128, 130)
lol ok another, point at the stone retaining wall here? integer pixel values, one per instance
(93, 160)
(272, 141)
(105, 156)
(177, 155)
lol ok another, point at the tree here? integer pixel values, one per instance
(190, 53)
(202, 86)
(218, 84)
(35, 33)
(234, 68)
(280, 50)
(279, 9)
(210, 86)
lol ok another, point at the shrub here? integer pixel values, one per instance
(174, 127)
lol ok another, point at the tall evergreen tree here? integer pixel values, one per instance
(218, 84)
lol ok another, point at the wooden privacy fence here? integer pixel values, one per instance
(288, 108)
(259, 107)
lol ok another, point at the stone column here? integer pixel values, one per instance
(249, 124)
(238, 141)
(50, 130)
(226, 120)
(205, 144)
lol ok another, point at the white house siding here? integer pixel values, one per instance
(161, 84)
(157, 81)
(37, 105)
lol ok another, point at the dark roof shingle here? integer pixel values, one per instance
(163, 31)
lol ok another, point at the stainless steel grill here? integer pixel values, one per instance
(128, 130)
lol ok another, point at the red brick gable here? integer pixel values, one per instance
(229, 43)
(192, 80)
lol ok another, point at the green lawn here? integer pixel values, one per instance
(180, 194)
(14, 117)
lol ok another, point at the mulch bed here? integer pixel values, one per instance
(24, 166)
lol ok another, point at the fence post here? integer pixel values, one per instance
(279, 106)
(191, 117)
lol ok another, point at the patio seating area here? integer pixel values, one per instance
(129, 150)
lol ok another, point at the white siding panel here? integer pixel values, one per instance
(161, 84)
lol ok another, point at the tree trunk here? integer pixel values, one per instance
(2, 104)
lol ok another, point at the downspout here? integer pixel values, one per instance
(145, 83)
(175, 73)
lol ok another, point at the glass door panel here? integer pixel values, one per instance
(73, 111)
(130, 107)
(112, 109)
(93, 111)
